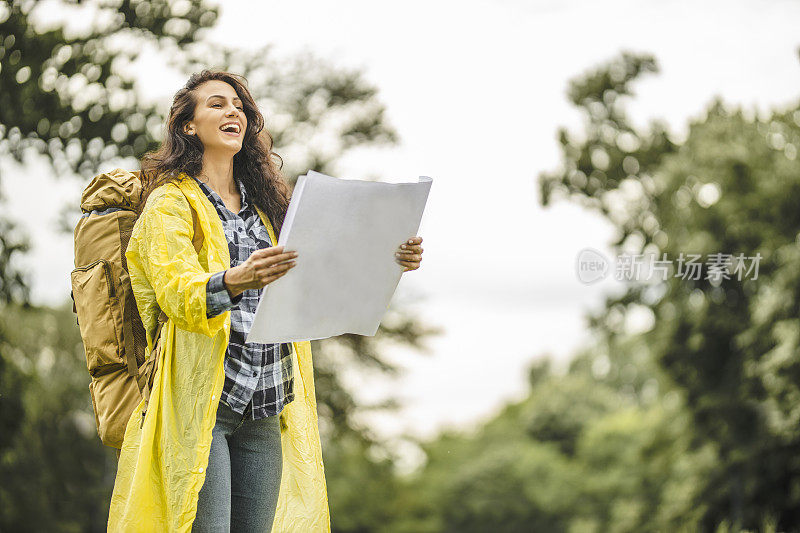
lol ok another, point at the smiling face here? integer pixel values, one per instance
(219, 120)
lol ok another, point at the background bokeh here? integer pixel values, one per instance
(500, 394)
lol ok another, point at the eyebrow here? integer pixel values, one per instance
(220, 96)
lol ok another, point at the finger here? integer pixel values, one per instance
(266, 280)
(286, 267)
(275, 259)
(281, 266)
(408, 263)
(414, 240)
(413, 249)
(409, 257)
(268, 251)
(277, 267)
(275, 276)
(282, 257)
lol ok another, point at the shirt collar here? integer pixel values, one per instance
(215, 198)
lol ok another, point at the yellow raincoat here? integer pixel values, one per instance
(162, 464)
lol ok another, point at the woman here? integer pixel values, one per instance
(230, 440)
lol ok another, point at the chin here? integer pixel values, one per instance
(235, 145)
(225, 147)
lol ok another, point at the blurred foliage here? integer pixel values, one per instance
(729, 345)
(55, 474)
(70, 94)
(14, 284)
(628, 465)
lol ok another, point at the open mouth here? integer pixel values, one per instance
(231, 128)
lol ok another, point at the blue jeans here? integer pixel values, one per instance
(240, 492)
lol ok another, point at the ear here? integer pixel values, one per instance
(188, 128)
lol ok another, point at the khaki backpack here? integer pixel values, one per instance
(112, 331)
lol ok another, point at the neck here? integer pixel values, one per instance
(218, 173)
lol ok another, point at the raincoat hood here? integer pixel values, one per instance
(164, 457)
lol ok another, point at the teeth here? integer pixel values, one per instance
(231, 127)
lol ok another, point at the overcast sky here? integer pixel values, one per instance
(476, 90)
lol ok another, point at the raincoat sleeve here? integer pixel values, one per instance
(161, 245)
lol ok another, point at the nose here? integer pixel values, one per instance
(233, 111)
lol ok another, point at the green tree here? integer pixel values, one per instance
(621, 458)
(729, 344)
(69, 97)
(55, 476)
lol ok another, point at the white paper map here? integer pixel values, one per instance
(346, 233)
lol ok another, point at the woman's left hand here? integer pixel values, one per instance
(409, 254)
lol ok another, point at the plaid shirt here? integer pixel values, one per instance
(261, 373)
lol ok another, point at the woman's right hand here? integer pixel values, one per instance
(262, 268)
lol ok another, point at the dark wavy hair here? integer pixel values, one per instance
(254, 165)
